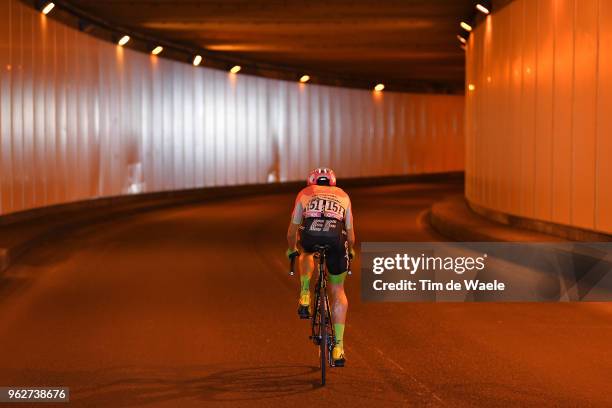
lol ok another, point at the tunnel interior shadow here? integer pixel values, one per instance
(200, 383)
(20, 276)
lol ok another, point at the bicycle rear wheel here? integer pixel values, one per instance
(323, 344)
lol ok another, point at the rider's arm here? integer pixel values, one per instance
(348, 225)
(294, 224)
(292, 235)
(350, 237)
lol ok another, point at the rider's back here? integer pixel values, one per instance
(323, 201)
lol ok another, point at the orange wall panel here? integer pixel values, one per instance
(514, 187)
(603, 138)
(544, 120)
(543, 171)
(563, 94)
(528, 107)
(584, 118)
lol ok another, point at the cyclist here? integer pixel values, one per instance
(322, 215)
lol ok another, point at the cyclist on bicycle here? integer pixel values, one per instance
(322, 215)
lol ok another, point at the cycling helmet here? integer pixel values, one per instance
(322, 176)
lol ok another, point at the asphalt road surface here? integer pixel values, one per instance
(192, 306)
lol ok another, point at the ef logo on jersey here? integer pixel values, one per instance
(323, 225)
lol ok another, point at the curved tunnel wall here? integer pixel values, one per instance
(538, 119)
(81, 118)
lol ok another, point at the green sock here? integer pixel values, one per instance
(305, 282)
(339, 330)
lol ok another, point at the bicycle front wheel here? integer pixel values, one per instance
(323, 343)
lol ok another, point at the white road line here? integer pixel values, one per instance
(412, 377)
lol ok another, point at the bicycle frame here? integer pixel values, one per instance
(322, 329)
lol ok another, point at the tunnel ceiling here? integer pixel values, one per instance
(392, 41)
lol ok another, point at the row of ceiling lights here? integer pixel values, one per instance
(197, 59)
(481, 7)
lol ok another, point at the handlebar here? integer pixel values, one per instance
(292, 267)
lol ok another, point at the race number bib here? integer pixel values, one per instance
(325, 206)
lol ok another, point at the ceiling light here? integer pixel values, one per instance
(157, 50)
(48, 7)
(482, 8)
(465, 26)
(471, 87)
(124, 40)
(197, 60)
(379, 87)
(235, 69)
(305, 78)
(460, 38)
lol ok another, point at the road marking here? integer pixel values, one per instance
(412, 377)
(389, 359)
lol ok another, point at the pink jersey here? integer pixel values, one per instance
(323, 201)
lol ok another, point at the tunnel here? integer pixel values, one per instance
(178, 177)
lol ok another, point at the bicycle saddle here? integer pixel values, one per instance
(325, 247)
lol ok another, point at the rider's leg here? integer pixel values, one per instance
(306, 268)
(339, 307)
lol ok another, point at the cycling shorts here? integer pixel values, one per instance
(317, 231)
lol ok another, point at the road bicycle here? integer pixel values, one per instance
(322, 329)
